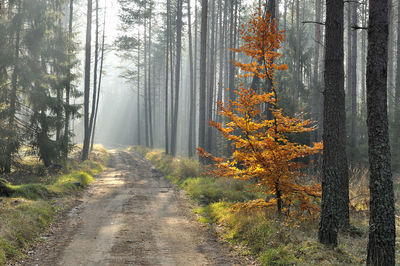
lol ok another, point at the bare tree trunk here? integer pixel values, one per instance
(390, 62)
(210, 93)
(146, 100)
(177, 75)
(167, 76)
(192, 81)
(315, 89)
(203, 69)
(96, 61)
(382, 226)
(396, 115)
(335, 204)
(88, 49)
(354, 113)
(149, 83)
(298, 67)
(222, 28)
(68, 87)
(100, 79)
(139, 118)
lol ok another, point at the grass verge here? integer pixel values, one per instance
(31, 207)
(272, 240)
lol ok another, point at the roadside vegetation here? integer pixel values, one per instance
(273, 239)
(32, 196)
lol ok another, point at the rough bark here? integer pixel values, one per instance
(334, 205)
(382, 233)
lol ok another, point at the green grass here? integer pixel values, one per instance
(272, 239)
(32, 208)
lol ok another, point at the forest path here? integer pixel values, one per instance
(131, 215)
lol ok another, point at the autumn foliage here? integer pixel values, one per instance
(263, 152)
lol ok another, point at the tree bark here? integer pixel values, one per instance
(88, 49)
(177, 76)
(68, 86)
(96, 61)
(211, 79)
(203, 69)
(382, 233)
(315, 89)
(166, 130)
(192, 82)
(335, 201)
(354, 113)
(100, 79)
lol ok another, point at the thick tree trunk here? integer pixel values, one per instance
(88, 50)
(335, 200)
(396, 115)
(382, 233)
(203, 71)
(177, 76)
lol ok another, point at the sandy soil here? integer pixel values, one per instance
(131, 215)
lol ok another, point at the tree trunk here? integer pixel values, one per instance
(192, 81)
(315, 89)
(146, 101)
(166, 130)
(68, 86)
(96, 61)
(353, 132)
(211, 84)
(382, 233)
(88, 49)
(298, 75)
(396, 115)
(100, 79)
(149, 94)
(177, 75)
(203, 69)
(335, 201)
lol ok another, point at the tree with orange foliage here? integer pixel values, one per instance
(263, 152)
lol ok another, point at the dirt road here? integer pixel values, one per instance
(132, 216)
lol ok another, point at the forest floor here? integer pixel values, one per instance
(131, 215)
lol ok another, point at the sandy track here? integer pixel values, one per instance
(132, 216)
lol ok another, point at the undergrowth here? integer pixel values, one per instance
(274, 240)
(31, 207)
